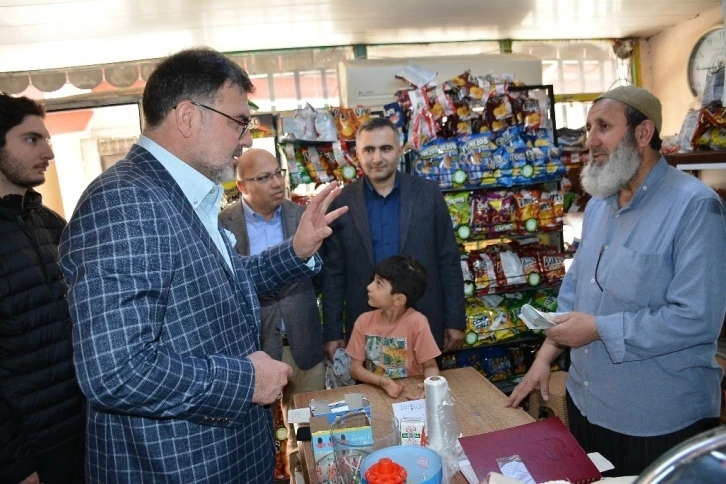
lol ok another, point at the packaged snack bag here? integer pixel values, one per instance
(527, 210)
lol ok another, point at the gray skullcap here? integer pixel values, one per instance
(640, 99)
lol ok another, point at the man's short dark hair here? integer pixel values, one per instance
(13, 111)
(406, 275)
(376, 123)
(634, 117)
(194, 74)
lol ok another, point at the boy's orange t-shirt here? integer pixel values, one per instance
(393, 350)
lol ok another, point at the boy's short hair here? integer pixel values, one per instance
(406, 275)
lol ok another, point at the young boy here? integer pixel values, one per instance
(395, 340)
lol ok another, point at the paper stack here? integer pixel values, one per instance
(536, 319)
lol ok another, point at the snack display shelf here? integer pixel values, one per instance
(504, 236)
(527, 337)
(513, 289)
(500, 187)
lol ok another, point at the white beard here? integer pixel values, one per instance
(603, 180)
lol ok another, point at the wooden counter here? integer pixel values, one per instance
(479, 408)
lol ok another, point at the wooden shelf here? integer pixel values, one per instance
(696, 158)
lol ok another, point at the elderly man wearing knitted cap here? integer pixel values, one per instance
(644, 297)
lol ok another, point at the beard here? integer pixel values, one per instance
(218, 168)
(15, 171)
(606, 179)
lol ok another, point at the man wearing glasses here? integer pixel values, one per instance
(644, 296)
(291, 329)
(166, 317)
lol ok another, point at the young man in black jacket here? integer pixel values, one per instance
(41, 406)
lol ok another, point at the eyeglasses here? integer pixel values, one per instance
(267, 177)
(245, 125)
(597, 266)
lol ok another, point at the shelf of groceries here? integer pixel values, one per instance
(489, 144)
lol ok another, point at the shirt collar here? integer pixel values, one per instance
(369, 185)
(195, 186)
(251, 213)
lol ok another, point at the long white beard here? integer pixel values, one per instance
(603, 180)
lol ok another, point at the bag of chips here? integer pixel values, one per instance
(459, 207)
(316, 164)
(527, 210)
(474, 153)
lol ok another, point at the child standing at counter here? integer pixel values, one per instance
(394, 341)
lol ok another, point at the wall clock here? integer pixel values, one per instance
(706, 55)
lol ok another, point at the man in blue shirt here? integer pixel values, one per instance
(644, 296)
(291, 329)
(391, 213)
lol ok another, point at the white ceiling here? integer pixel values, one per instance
(39, 34)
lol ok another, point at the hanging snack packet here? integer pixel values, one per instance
(332, 168)
(300, 174)
(344, 122)
(509, 270)
(447, 163)
(304, 123)
(527, 209)
(499, 108)
(531, 265)
(325, 127)
(485, 276)
(458, 83)
(468, 273)
(474, 153)
(425, 162)
(411, 100)
(459, 208)
(440, 102)
(422, 129)
(531, 114)
(550, 209)
(464, 112)
(361, 115)
(478, 91)
(316, 164)
(479, 320)
(394, 114)
(552, 263)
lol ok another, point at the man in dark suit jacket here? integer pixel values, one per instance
(390, 213)
(166, 320)
(291, 330)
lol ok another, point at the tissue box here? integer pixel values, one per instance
(322, 416)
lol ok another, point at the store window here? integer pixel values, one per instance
(577, 67)
(284, 80)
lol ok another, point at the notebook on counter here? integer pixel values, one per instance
(545, 447)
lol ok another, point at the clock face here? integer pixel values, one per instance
(706, 55)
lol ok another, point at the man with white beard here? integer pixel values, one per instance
(644, 297)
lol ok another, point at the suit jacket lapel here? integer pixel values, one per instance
(359, 212)
(163, 178)
(237, 224)
(289, 221)
(407, 208)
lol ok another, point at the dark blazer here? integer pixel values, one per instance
(296, 304)
(425, 233)
(161, 330)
